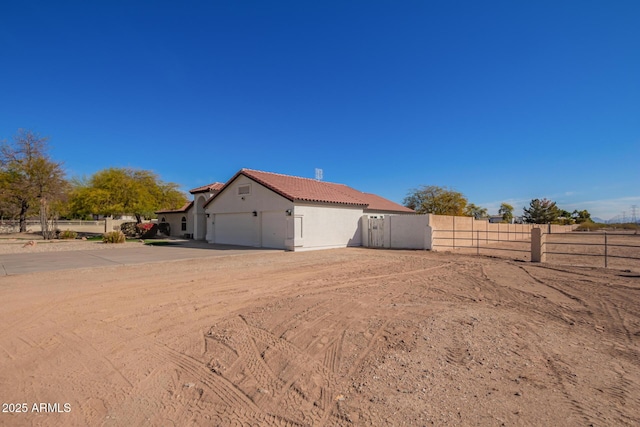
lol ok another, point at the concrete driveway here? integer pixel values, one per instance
(13, 264)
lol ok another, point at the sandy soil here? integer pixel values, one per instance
(340, 337)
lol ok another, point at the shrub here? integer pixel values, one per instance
(147, 230)
(113, 237)
(129, 229)
(590, 226)
(67, 234)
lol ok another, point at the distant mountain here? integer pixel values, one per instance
(600, 220)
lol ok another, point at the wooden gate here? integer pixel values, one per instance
(376, 232)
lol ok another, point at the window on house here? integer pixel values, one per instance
(243, 190)
(184, 223)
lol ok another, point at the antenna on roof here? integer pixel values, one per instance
(318, 174)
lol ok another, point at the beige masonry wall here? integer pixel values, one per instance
(99, 226)
(459, 231)
(442, 232)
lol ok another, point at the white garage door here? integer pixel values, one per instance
(236, 229)
(273, 229)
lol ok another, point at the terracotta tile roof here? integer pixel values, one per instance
(377, 203)
(305, 189)
(310, 190)
(216, 186)
(185, 208)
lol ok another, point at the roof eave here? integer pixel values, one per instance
(327, 202)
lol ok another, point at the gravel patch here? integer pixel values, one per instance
(20, 246)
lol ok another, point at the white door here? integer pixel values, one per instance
(273, 229)
(376, 232)
(235, 229)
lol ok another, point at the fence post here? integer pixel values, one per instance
(538, 239)
(605, 250)
(108, 224)
(478, 242)
(454, 232)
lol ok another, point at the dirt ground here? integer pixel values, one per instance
(337, 337)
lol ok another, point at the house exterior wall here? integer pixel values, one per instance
(231, 219)
(326, 226)
(198, 217)
(175, 223)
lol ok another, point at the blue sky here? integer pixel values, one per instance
(500, 100)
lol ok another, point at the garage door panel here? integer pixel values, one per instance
(235, 229)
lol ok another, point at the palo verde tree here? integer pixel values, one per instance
(541, 211)
(118, 191)
(506, 211)
(436, 200)
(29, 179)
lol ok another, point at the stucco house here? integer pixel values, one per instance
(184, 221)
(264, 209)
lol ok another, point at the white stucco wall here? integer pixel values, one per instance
(236, 223)
(327, 226)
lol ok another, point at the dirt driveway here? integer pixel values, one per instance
(339, 337)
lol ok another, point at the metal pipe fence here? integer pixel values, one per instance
(609, 242)
(615, 249)
(481, 239)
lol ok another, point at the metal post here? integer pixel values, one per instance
(478, 242)
(605, 250)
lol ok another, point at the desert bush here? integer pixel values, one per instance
(590, 226)
(67, 234)
(130, 229)
(113, 237)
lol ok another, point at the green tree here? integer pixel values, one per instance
(8, 208)
(541, 211)
(475, 211)
(581, 216)
(506, 210)
(30, 179)
(118, 191)
(436, 200)
(564, 217)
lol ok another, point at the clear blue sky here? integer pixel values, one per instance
(500, 100)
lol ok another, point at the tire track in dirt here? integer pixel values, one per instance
(333, 353)
(287, 388)
(604, 311)
(312, 348)
(612, 306)
(229, 396)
